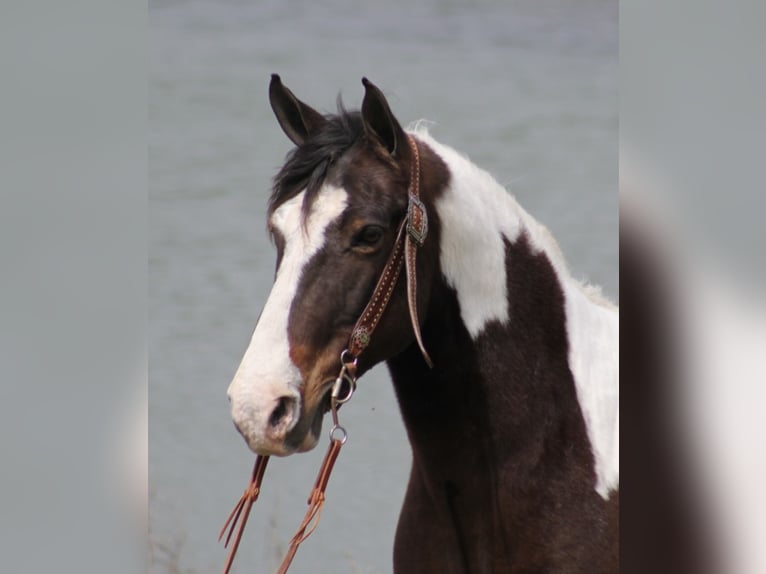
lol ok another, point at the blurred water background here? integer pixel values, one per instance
(528, 90)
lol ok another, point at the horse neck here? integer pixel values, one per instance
(502, 391)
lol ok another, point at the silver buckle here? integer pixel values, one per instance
(417, 232)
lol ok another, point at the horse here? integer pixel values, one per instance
(504, 366)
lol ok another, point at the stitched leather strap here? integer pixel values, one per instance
(404, 253)
(368, 320)
(417, 230)
(316, 501)
(242, 509)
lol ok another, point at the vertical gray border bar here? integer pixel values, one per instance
(72, 286)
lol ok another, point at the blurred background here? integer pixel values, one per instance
(528, 90)
(693, 278)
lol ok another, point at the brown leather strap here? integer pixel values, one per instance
(403, 254)
(417, 230)
(368, 320)
(316, 501)
(243, 509)
(310, 520)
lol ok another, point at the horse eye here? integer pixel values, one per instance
(369, 236)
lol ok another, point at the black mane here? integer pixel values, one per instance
(307, 165)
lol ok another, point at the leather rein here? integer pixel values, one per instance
(411, 234)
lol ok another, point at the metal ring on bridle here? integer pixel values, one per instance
(347, 359)
(344, 434)
(338, 386)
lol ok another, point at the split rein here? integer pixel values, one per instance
(410, 235)
(338, 436)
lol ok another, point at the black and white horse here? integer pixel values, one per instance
(514, 431)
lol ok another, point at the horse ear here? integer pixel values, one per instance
(297, 119)
(378, 121)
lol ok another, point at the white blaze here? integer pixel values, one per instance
(267, 373)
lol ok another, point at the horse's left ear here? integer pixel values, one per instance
(378, 121)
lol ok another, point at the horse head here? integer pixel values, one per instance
(334, 213)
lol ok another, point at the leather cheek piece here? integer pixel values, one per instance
(404, 253)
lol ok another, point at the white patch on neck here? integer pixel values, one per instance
(593, 331)
(476, 213)
(267, 372)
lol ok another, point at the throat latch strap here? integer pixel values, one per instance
(410, 236)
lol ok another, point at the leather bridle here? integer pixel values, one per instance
(411, 235)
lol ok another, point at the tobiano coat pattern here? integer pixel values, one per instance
(515, 429)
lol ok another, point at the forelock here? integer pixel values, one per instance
(307, 165)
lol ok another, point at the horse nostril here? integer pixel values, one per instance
(284, 409)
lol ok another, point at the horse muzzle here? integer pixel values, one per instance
(266, 419)
(277, 423)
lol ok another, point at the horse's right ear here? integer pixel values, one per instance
(297, 119)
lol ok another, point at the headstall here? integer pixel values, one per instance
(411, 234)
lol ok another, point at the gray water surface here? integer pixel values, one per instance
(528, 90)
